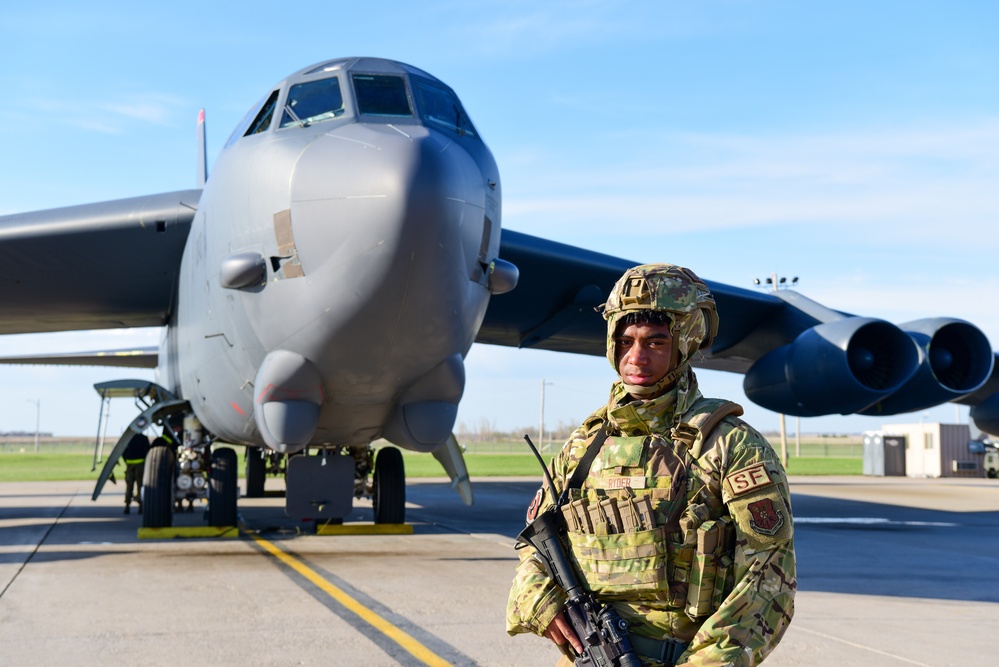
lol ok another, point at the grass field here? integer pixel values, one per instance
(31, 467)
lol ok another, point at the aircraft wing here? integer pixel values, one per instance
(133, 357)
(560, 287)
(97, 266)
(799, 357)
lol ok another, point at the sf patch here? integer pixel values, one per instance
(748, 479)
(764, 517)
(532, 509)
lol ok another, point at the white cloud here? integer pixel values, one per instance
(922, 177)
(112, 116)
(521, 29)
(149, 108)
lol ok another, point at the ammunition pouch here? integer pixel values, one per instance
(710, 568)
(618, 547)
(624, 566)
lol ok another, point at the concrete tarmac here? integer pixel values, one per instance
(891, 572)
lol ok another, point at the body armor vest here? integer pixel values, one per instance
(646, 524)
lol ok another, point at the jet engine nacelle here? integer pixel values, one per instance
(841, 366)
(955, 359)
(986, 415)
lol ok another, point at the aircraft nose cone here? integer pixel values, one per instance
(368, 188)
(390, 228)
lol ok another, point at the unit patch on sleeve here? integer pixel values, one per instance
(748, 479)
(764, 517)
(532, 510)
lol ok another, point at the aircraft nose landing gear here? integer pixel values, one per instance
(190, 473)
(389, 487)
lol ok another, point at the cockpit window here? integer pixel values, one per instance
(312, 102)
(263, 119)
(254, 115)
(441, 107)
(381, 95)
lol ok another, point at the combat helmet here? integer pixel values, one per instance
(680, 294)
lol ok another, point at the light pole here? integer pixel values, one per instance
(38, 418)
(797, 438)
(774, 283)
(541, 424)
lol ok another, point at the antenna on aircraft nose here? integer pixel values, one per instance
(202, 152)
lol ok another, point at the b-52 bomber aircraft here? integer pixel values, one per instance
(322, 288)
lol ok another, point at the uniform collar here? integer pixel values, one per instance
(655, 415)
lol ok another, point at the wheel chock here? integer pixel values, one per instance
(181, 532)
(364, 529)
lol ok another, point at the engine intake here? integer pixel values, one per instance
(955, 359)
(842, 366)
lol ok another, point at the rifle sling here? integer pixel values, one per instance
(583, 467)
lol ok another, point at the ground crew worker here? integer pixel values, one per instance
(135, 464)
(683, 520)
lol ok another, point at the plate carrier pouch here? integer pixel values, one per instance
(640, 543)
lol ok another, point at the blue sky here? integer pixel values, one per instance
(852, 144)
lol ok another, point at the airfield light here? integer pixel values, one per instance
(775, 282)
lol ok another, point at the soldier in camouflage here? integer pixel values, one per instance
(683, 521)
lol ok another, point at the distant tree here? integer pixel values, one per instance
(487, 429)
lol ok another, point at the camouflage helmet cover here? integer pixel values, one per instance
(671, 289)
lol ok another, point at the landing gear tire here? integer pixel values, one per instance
(992, 474)
(389, 487)
(157, 488)
(223, 488)
(256, 472)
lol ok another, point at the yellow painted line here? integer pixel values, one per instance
(418, 650)
(188, 531)
(364, 529)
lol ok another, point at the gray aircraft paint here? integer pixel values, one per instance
(387, 223)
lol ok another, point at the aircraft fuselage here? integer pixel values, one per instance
(336, 270)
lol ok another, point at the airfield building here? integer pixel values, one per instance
(923, 450)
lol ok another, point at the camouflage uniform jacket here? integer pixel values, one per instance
(732, 612)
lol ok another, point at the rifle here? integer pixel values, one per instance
(603, 632)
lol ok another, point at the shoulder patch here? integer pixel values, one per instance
(764, 518)
(748, 479)
(532, 509)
